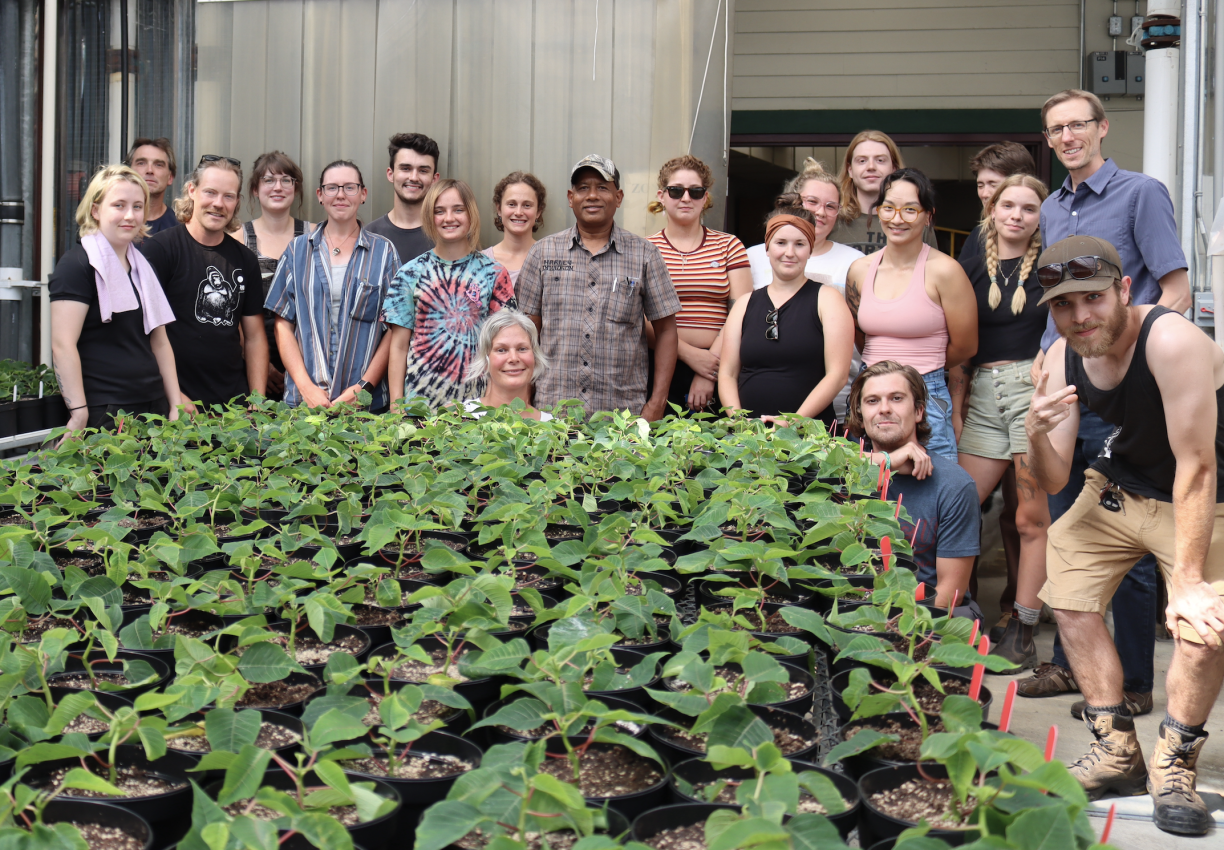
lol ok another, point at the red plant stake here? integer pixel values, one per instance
(860, 446)
(886, 552)
(914, 539)
(897, 513)
(977, 624)
(887, 479)
(1051, 743)
(880, 478)
(920, 592)
(1008, 702)
(1113, 810)
(984, 646)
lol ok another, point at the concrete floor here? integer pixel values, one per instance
(1032, 718)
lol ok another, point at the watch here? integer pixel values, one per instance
(363, 384)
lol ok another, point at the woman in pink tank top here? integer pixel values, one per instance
(914, 305)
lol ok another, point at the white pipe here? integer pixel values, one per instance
(1191, 93)
(1160, 116)
(1217, 290)
(1218, 159)
(50, 62)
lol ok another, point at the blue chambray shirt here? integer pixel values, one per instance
(300, 293)
(1132, 211)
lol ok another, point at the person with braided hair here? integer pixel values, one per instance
(991, 436)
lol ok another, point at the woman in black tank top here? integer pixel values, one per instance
(787, 347)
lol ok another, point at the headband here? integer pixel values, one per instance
(779, 221)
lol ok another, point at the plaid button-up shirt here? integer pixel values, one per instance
(300, 293)
(593, 308)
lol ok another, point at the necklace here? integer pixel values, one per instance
(1007, 275)
(336, 249)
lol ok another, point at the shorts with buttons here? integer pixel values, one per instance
(994, 417)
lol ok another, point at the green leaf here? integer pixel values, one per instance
(522, 715)
(962, 655)
(445, 823)
(231, 730)
(739, 727)
(244, 776)
(814, 832)
(81, 778)
(744, 833)
(1047, 828)
(961, 714)
(335, 725)
(266, 662)
(863, 740)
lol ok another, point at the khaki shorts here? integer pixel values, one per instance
(995, 409)
(1091, 548)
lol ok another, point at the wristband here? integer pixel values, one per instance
(887, 461)
(82, 407)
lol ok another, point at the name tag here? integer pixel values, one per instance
(557, 265)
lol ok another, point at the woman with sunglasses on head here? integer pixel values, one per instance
(519, 201)
(1010, 325)
(710, 271)
(786, 347)
(438, 301)
(327, 294)
(276, 183)
(913, 304)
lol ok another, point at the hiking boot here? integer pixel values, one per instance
(1017, 646)
(1137, 703)
(1048, 680)
(996, 631)
(1113, 763)
(1178, 807)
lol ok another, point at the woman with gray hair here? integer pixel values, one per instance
(507, 354)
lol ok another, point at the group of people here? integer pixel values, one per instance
(1040, 357)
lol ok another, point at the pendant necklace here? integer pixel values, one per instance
(336, 250)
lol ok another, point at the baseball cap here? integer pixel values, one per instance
(1063, 252)
(605, 167)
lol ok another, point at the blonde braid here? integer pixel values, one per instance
(992, 264)
(1026, 268)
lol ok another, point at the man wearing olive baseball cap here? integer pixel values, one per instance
(1159, 381)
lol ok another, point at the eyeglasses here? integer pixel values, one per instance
(886, 212)
(333, 189)
(695, 192)
(1080, 268)
(1076, 127)
(212, 157)
(814, 204)
(771, 319)
(285, 180)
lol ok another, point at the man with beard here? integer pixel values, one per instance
(413, 169)
(215, 288)
(1157, 379)
(888, 403)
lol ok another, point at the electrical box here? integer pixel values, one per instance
(1204, 309)
(1134, 74)
(1105, 72)
(1115, 25)
(1136, 22)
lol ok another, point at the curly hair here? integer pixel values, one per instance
(989, 235)
(917, 387)
(678, 163)
(527, 179)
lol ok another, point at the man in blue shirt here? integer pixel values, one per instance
(888, 403)
(153, 159)
(1133, 212)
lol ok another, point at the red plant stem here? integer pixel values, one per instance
(1113, 810)
(1008, 702)
(1051, 743)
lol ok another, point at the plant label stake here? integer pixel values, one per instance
(977, 624)
(917, 525)
(879, 478)
(920, 592)
(1008, 702)
(979, 670)
(897, 513)
(1113, 810)
(40, 389)
(887, 479)
(1051, 743)
(860, 446)
(886, 553)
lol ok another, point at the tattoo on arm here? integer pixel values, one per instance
(956, 379)
(853, 297)
(1026, 480)
(69, 402)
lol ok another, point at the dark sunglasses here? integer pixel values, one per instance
(212, 157)
(771, 319)
(1080, 268)
(677, 192)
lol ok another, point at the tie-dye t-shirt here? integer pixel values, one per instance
(443, 303)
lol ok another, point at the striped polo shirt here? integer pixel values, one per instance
(701, 276)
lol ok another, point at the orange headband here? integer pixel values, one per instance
(779, 221)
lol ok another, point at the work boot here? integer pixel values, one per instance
(1139, 704)
(1113, 762)
(1048, 680)
(1017, 646)
(996, 631)
(1178, 807)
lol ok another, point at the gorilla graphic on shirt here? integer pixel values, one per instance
(218, 298)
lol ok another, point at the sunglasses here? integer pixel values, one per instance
(212, 157)
(1080, 268)
(677, 192)
(771, 319)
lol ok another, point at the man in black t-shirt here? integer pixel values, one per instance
(214, 286)
(413, 169)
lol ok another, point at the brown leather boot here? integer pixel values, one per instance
(1016, 646)
(1139, 704)
(1114, 762)
(1171, 781)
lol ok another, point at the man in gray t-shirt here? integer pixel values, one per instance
(413, 169)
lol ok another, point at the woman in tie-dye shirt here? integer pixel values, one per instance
(437, 302)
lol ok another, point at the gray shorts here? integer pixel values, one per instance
(995, 409)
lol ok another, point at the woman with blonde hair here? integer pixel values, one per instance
(870, 157)
(710, 271)
(508, 355)
(108, 311)
(992, 438)
(437, 302)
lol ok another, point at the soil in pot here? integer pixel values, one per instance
(609, 771)
(272, 736)
(788, 742)
(309, 650)
(277, 694)
(101, 837)
(808, 805)
(919, 799)
(372, 615)
(905, 749)
(690, 837)
(794, 690)
(81, 681)
(415, 671)
(35, 629)
(425, 766)
(429, 710)
(346, 815)
(134, 781)
(774, 622)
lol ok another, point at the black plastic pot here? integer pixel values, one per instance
(293, 708)
(675, 751)
(8, 419)
(637, 696)
(455, 721)
(391, 557)
(799, 705)
(73, 665)
(192, 618)
(650, 823)
(341, 631)
(84, 810)
(630, 805)
(618, 825)
(419, 794)
(478, 692)
(839, 682)
(697, 771)
(169, 814)
(868, 761)
(877, 825)
(706, 594)
(55, 414)
(663, 642)
(267, 715)
(824, 604)
(496, 735)
(29, 415)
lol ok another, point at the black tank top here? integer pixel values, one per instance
(1137, 456)
(776, 376)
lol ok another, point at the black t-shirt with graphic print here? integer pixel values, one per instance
(210, 289)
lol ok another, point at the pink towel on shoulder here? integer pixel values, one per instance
(115, 293)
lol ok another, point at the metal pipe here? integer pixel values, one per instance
(1218, 99)
(123, 78)
(1083, 54)
(1190, 125)
(46, 207)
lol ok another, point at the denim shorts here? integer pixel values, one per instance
(939, 415)
(994, 417)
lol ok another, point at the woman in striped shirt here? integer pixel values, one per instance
(709, 270)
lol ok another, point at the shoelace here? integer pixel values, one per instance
(1046, 670)
(1095, 753)
(1178, 779)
